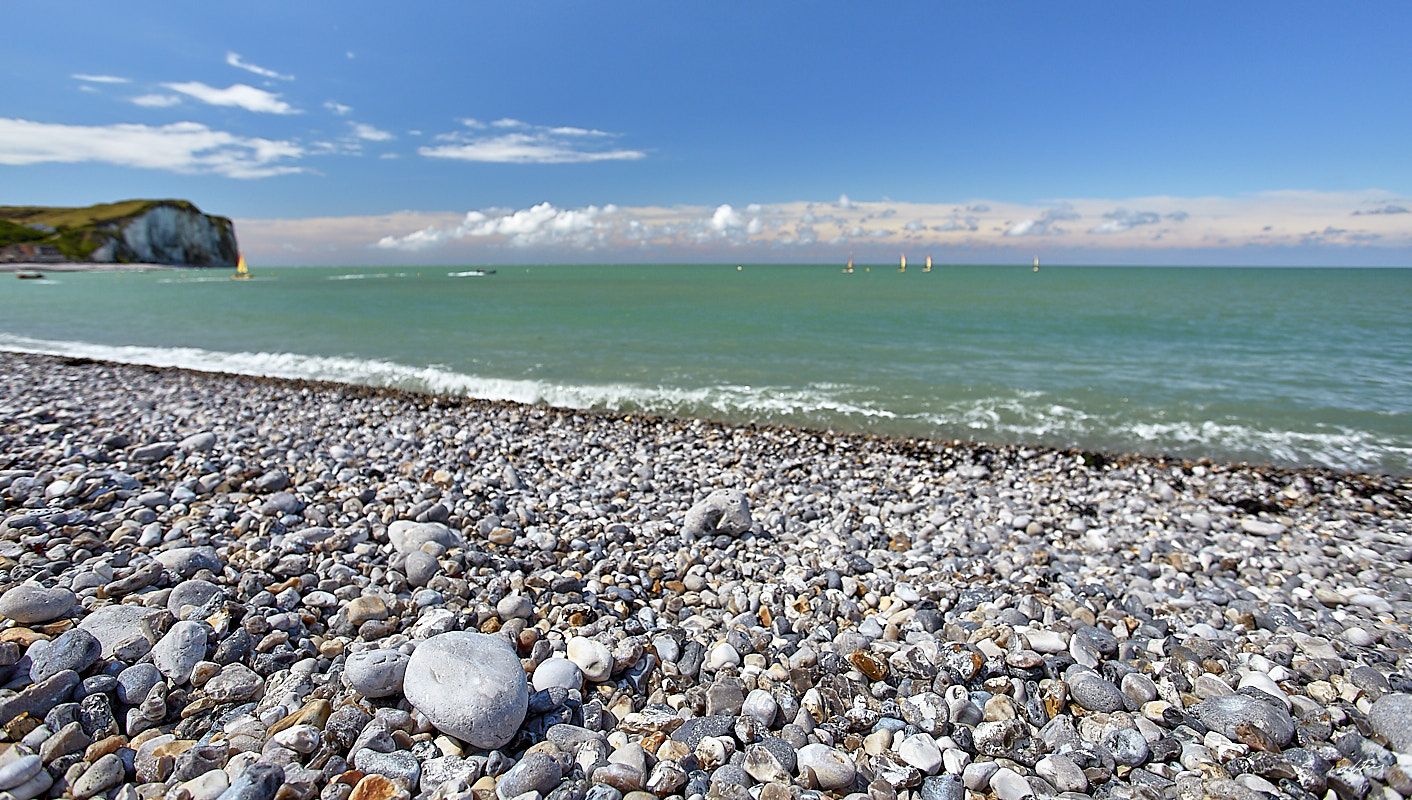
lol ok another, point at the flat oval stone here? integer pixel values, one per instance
(376, 673)
(29, 604)
(1092, 691)
(469, 685)
(560, 672)
(407, 536)
(536, 772)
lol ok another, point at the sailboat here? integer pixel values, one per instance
(1036, 263)
(849, 269)
(903, 266)
(928, 267)
(241, 271)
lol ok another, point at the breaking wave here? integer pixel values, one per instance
(1001, 416)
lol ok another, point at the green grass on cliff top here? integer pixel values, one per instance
(83, 217)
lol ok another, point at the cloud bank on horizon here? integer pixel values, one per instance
(972, 231)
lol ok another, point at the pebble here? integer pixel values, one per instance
(176, 654)
(1228, 712)
(29, 604)
(1391, 718)
(376, 673)
(75, 649)
(592, 657)
(724, 511)
(469, 685)
(700, 611)
(557, 672)
(1062, 772)
(536, 772)
(832, 769)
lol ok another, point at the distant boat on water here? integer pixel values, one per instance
(903, 266)
(1036, 264)
(928, 267)
(473, 273)
(29, 276)
(242, 272)
(849, 269)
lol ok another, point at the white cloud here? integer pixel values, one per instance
(337, 108)
(238, 95)
(184, 147)
(157, 100)
(1187, 229)
(725, 218)
(234, 60)
(1021, 228)
(1046, 224)
(844, 202)
(539, 225)
(1122, 220)
(528, 144)
(98, 78)
(371, 134)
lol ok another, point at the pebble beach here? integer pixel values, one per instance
(226, 587)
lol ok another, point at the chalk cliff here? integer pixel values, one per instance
(171, 232)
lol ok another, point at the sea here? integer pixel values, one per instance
(1292, 367)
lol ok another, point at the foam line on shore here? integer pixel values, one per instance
(1026, 417)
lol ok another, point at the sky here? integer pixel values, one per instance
(350, 132)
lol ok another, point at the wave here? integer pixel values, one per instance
(358, 276)
(1000, 416)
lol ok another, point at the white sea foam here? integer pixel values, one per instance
(1013, 416)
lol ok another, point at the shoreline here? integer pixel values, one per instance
(914, 444)
(88, 266)
(251, 586)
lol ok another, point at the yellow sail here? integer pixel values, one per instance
(241, 271)
(928, 267)
(849, 268)
(903, 267)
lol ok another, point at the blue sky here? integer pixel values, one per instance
(440, 132)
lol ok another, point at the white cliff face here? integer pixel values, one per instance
(171, 234)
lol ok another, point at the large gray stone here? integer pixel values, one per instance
(175, 656)
(407, 536)
(30, 604)
(74, 649)
(831, 768)
(469, 685)
(125, 630)
(724, 511)
(1391, 717)
(1224, 713)
(536, 772)
(187, 561)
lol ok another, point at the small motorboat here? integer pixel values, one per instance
(472, 273)
(29, 275)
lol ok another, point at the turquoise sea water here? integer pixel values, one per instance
(1291, 366)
